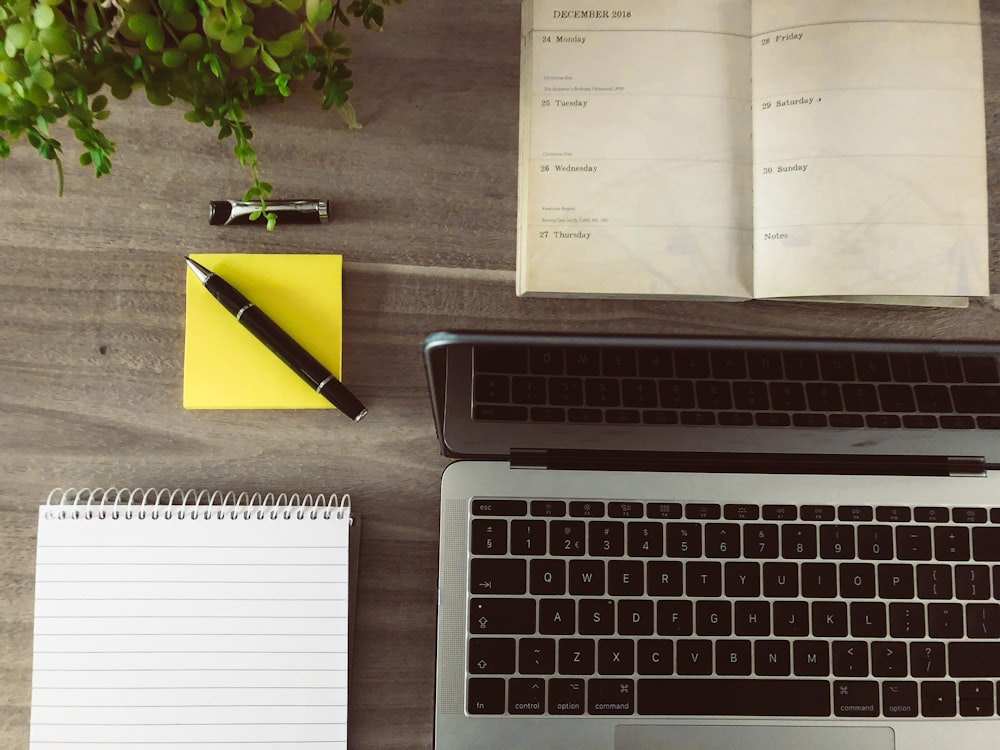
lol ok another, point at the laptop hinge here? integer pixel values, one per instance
(755, 463)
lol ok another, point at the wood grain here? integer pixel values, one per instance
(92, 301)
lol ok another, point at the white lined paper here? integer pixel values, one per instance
(170, 632)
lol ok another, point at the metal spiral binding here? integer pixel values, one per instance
(140, 503)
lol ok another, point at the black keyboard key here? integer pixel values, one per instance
(824, 397)
(836, 542)
(702, 511)
(585, 416)
(906, 620)
(645, 539)
(787, 396)
(868, 620)
(760, 540)
(549, 508)
(819, 580)
(908, 368)
(626, 578)
(602, 392)
(872, 367)
(735, 419)
(656, 363)
(899, 698)
(596, 617)
(503, 359)
(491, 656)
(752, 618)
(800, 366)
(664, 510)
(587, 509)
(674, 617)
(607, 697)
(937, 698)
(498, 413)
(933, 399)
(526, 695)
(741, 512)
(501, 616)
(889, 660)
(527, 537)
(536, 656)
(676, 394)
(861, 398)
(850, 658)
(944, 369)
(772, 419)
(557, 617)
(583, 361)
(586, 578)
(856, 698)
(576, 656)
(619, 362)
(692, 364)
(664, 578)
(791, 619)
(811, 658)
(615, 656)
(945, 620)
(733, 658)
(492, 576)
(621, 416)
(735, 697)
(694, 657)
(780, 513)
(981, 369)
(546, 360)
(486, 695)
(974, 659)
(635, 617)
(703, 579)
(895, 581)
(897, 398)
(836, 366)
(624, 509)
(951, 543)
(722, 540)
(567, 538)
(983, 621)
(892, 514)
(547, 577)
(927, 659)
(986, 544)
(491, 507)
(493, 389)
(798, 541)
(976, 399)
(751, 396)
(857, 581)
(566, 391)
(488, 537)
(639, 393)
(972, 582)
(781, 580)
(934, 582)
(697, 418)
(713, 395)
(875, 542)
(526, 389)
(957, 423)
(976, 699)
(728, 364)
(764, 365)
(969, 515)
(567, 696)
(684, 540)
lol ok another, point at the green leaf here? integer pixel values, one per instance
(192, 43)
(143, 23)
(18, 37)
(174, 58)
(244, 58)
(99, 103)
(155, 40)
(215, 25)
(279, 48)
(269, 61)
(44, 16)
(232, 42)
(55, 41)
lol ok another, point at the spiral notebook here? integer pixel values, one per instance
(185, 619)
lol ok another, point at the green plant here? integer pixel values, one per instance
(221, 57)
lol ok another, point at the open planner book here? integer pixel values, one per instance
(753, 149)
(181, 619)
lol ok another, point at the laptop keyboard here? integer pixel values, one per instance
(735, 387)
(672, 609)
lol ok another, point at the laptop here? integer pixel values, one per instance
(653, 542)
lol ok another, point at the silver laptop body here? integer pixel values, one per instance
(489, 696)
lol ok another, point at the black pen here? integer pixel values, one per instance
(288, 351)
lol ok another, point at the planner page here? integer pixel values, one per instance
(635, 148)
(869, 148)
(178, 628)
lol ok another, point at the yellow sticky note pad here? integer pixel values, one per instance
(226, 367)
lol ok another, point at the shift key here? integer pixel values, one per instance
(506, 616)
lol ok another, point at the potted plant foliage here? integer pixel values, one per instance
(60, 59)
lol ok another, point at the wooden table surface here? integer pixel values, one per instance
(424, 197)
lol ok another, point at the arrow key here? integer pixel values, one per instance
(937, 698)
(975, 698)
